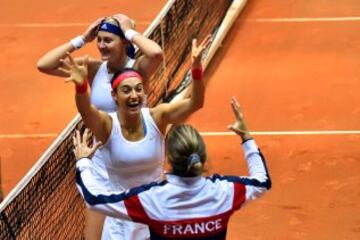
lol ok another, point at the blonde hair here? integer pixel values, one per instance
(186, 151)
(112, 20)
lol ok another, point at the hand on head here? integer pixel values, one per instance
(78, 72)
(91, 32)
(82, 149)
(124, 21)
(239, 127)
(197, 51)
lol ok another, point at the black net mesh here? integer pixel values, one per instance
(185, 20)
(49, 206)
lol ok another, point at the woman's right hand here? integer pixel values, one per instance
(81, 146)
(197, 51)
(239, 127)
(91, 32)
(77, 72)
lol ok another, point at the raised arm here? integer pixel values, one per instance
(50, 62)
(99, 122)
(152, 54)
(170, 113)
(258, 181)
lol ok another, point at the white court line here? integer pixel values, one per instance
(300, 20)
(260, 20)
(280, 133)
(259, 133)
(40, 25)
(17, 136)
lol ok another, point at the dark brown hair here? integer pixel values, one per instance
(116, 74)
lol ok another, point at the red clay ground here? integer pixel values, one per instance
(288, 76)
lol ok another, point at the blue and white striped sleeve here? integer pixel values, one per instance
(258, 181)
(96, 197)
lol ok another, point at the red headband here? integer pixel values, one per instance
(124, 76)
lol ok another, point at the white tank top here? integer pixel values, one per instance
(101, 88)
(130, 163)
(101, 97)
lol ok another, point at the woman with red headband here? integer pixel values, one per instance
(133, 136)
(115, 37)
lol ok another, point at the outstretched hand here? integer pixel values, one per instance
(82, 149)
(239, 127)
(197, 51)
(77, 72)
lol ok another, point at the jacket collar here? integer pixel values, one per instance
(189, 182)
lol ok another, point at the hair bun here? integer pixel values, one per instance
(193, 159)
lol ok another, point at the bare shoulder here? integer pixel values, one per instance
(157, 114)
(158, 109)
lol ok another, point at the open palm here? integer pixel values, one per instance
(82, 148)
(197, 51)
(77, 72)
(239, 127)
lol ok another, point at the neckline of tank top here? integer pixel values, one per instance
(144, 126)
(129, 64)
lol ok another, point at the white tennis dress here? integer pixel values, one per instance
(100, 96)
(109, 171)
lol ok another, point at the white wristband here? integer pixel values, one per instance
(130, 34)
(77, 42)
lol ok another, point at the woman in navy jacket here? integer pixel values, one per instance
(186, 205)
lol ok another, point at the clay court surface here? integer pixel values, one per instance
(294, 67)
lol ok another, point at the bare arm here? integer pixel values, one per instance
(152, 56)
(50, 62)
(152, 52)
(99, 122)
(176, 112)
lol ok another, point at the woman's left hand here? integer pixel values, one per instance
(125, 22)
(82, 149)
(197, 51)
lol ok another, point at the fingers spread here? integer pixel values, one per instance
(95, 147)
(85, 136)
(65, 63)
(78, 137)
(194, 43)
(63, 70)
(71, 59)
(74, 140)
(86, 60)
(235, 110)
(206, 42)
(69, 79)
